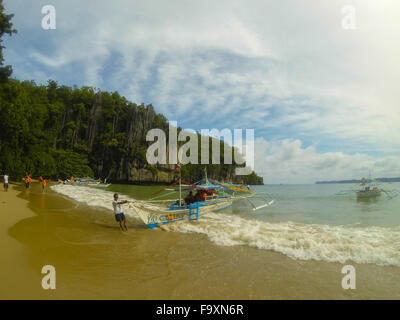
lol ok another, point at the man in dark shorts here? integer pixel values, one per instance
(119, 215)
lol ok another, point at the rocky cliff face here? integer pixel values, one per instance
(164, 175)
(144, 175)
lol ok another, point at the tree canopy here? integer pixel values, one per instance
(6, 27)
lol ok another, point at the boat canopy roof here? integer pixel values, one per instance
(204, 184)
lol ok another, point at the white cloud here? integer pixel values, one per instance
(288, 161)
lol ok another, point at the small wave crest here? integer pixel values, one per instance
(91, 196)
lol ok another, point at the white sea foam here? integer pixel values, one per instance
(377, 245)
(92, 197)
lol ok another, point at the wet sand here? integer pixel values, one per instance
(95, 260)
(17, 278)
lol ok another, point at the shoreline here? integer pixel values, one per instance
(94, 260)
(126, 183)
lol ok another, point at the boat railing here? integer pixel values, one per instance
(194, 211)
(212, 197)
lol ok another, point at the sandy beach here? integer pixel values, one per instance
(18, 280)
(94, 260)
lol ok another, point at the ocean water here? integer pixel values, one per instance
(305, 222)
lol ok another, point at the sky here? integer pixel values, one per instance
(323, 100)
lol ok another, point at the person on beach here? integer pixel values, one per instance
(119, 215)
(189, 198)
(5, 182)
(27, 181)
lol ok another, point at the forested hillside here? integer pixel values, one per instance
(59, 131)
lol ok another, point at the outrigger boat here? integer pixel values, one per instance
(220, 196)
(370, 189)
(153, 216)
(88, 182)
(367, 192)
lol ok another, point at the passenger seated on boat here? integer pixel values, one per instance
(197, 197)
(189, 198)
(200, 196)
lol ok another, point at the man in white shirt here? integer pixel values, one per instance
(5, 182)
(119, 215)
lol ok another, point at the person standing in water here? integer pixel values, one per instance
(5, 182)
(44, 184)
(119, 215)
(27, 181)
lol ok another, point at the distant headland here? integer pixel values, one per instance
(359, 181)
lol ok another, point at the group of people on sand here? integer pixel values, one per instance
(119, 215)
(43, 182)
(27, 180)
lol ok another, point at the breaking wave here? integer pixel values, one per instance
(91, 196)
(376, 245)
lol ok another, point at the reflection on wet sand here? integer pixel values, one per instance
(95, 260)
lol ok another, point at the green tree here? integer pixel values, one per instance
(71, 164)
(6, 27)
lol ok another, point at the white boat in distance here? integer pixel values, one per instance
(88, 183)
